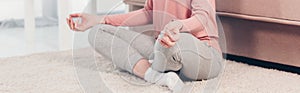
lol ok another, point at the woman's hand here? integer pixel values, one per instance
(170, 34)
(86, 21)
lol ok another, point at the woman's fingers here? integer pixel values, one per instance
(75, 15)
(167, 41)
(163, 44)
(69, 24)
(72, 24)
(79, 27)
(80, 22)
(173, 36)
(172, 32)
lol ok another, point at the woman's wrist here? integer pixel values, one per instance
(101, 20)
(178, 24)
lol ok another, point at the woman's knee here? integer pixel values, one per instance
(95, 33)
(197, 68)
(202, 75)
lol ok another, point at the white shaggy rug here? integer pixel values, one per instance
(64, 72)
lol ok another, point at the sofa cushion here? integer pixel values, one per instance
(135, 2)
(142, 1)
(278, 9)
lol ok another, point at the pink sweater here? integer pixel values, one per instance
(198, 17)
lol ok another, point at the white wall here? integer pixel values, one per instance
(105, 5)
(15, 8)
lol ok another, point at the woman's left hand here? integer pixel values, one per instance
(170, 34)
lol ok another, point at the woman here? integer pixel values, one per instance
(188, 41)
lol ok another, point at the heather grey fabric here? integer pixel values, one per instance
(198, 59)
(113, 43)
(194, 58)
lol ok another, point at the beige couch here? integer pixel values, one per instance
(262, 29)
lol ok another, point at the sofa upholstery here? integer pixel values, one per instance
(263, 29)
(267, 30)
(278, 9)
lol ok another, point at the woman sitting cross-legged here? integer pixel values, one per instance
(185, 41)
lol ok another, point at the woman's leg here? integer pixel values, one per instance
(139, 41)
(142, 44)
(166, 59)
(127, 58)
(199, 61)
(115, 49)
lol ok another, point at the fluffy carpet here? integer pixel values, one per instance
(81, 71)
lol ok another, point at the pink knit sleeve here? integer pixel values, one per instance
(203, 16)
(139, 17)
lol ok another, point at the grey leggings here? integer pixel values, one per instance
(125, 48)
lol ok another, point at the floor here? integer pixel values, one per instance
(80, 71)
(12, 41)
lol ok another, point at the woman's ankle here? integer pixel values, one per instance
(141, 67)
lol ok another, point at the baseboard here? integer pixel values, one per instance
(264, 64)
